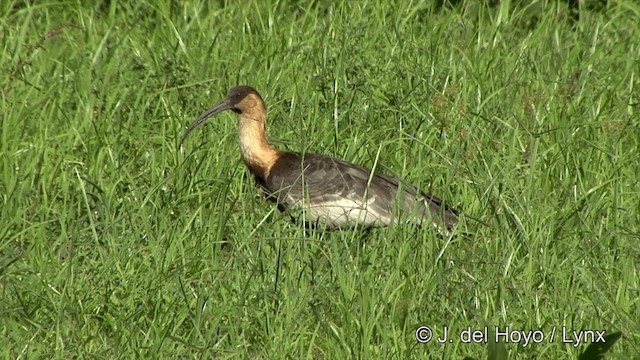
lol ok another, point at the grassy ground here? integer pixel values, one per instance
(115, 244)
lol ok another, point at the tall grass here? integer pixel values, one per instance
(115, 244)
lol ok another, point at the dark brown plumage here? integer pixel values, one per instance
(335, 193)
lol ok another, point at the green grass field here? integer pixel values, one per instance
(115, 244)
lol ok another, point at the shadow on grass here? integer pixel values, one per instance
(595, 351)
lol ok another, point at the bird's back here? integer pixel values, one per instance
(340, 194)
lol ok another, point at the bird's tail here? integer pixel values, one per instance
(443, 216)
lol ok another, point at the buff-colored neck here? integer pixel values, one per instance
(257, 153)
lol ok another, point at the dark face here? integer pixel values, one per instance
(233, 101)
(236, 95)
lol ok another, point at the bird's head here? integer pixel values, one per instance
(240, 99)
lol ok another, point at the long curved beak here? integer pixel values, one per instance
(223, 105)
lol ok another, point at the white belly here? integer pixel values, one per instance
(344, 213)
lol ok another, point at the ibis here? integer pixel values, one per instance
(329, 191)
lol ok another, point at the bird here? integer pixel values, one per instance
(329, 192)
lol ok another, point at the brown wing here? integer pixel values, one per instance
(338, 193)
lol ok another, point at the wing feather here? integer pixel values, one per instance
(338, 193)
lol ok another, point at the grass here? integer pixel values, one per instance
(113, 244)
